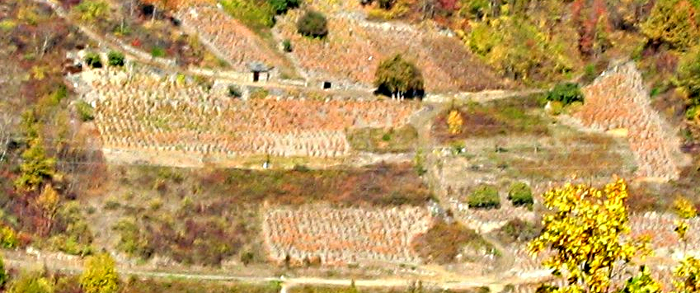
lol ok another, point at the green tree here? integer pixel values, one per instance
(585, 231)
(100, 275)
(672, 22)
(33, 282)
(313, 24)
(35, 168)
(397, 77)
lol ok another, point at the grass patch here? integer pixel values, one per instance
(491, 120)
(257, 15)
(583, 154)
(377, 140)
(443, 242)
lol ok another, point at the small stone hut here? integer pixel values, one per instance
(260, 71)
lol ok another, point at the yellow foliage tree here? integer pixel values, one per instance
(100, 275)
(585, 234)
(455, 122)
(687, 276)
(48, 203)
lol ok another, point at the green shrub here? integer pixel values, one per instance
(157, 52)
(281, 6)
(520, 194)
(485, 196)
(93, 60)
(85, 111)
(566, 93)
(287, 45)
(313, 24)
(115, 58)
(234, 91)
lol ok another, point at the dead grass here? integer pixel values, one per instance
(443, 242)
(377, 140)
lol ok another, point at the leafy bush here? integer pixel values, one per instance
(287, 45)
(689, 76)
(100, 275)
(281, 6)
(157, 52)
(85, 111)
(313, 24)
(93, 60)
(398, 77)
(115, 58)
(520, 194)
(92, 10)
(8, 238)
(32, 282)
(485, 196)
(566, 93)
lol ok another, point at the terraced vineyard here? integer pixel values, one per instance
(140, 111)
(236, 42)
(342, 236)
(353, 50)
(618, 100)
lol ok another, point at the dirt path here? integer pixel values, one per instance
(73, 266)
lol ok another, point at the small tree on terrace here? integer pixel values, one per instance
(313, 24)
(399, 78)
(100, 275)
